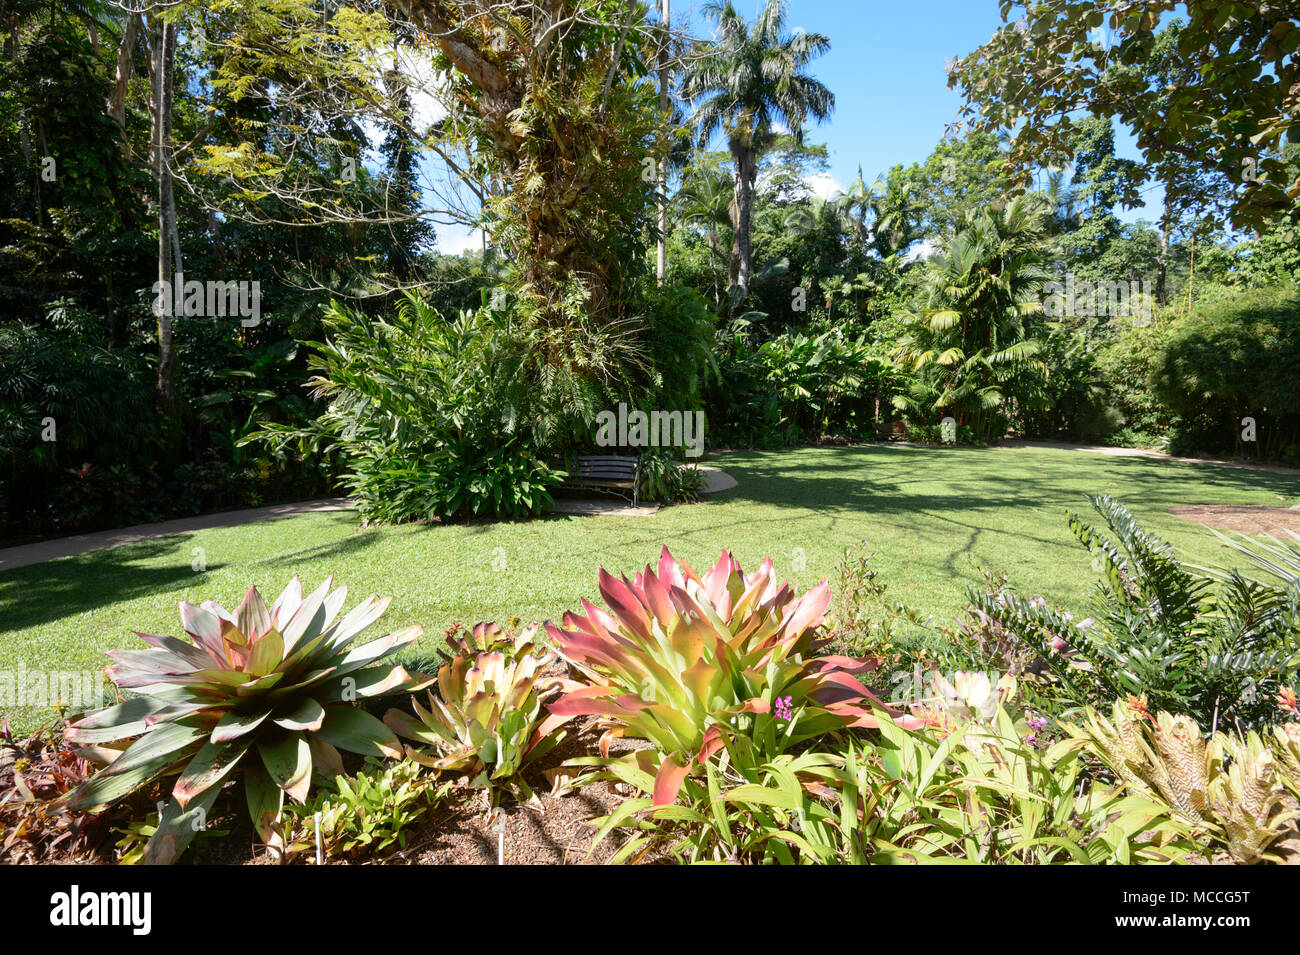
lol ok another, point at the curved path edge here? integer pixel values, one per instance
(25, 555)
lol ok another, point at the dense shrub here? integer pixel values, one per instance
(1234, 357)
(798, 386)
(1133, 416)
(680, 332)
(1218, 648)
(668, 480)
(1076, 408)
(430, 416)
(110, 462)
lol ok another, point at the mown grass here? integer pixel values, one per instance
(927, 513)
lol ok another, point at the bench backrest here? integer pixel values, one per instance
(613, 466)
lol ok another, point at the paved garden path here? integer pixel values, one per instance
(1143, 453)
(26, 554)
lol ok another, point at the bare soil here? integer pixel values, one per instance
(1244, 519)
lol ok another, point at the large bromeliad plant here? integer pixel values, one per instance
(268, 693)
(683, 661)
(489, 723)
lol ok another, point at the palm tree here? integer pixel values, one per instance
(749, 81)
(857, 205)
(973, 347)
(704, 201)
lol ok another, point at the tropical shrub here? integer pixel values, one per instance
(1234, 357)
(97, 401)
(679, 345)
(429, 416)
(744, 410)
(1218, 654)
(685, 661)
(268, 694)
(1075, 405)
(664, 478)
(1135, 416)
(488, 723)
(973, 350)
(825, 383)
(797, 386)
(1240, 793)
(979, 792)
(363, 813)
(941, 434)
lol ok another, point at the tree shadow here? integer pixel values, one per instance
(56, 589)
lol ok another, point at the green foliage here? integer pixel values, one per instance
(1133, 414)
(277, 683)
(1232, 358)
(665, 479)
(487, 721)
(1200, 103)
(938, 434)
(974, 348)
(1219, 654)
(797, 386)
(860, 623)
(364, 813)
(977, 793)
(679, 328)
(98, 397)
(1075, 391)
(429, 416)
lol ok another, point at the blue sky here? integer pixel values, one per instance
(886, 69)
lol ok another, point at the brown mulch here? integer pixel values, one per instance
(1244, 519)
(461, 831)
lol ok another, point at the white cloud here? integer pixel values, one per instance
(824, 186)
(924, 249)
(455, 240)
(423, 85)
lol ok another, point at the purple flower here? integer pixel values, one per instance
(783, 707)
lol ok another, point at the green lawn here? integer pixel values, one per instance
(924, 512)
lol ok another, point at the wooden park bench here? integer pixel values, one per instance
(606, 474)
(897, 431)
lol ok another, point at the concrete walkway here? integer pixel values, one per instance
(26, 554)
(1144, 453)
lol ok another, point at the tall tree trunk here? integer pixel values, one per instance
(116, 104)
(1162, 262)
(661, 247)
(166, 220)
(742, 208)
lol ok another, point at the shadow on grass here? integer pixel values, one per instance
(56, 589)
(877, 479)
